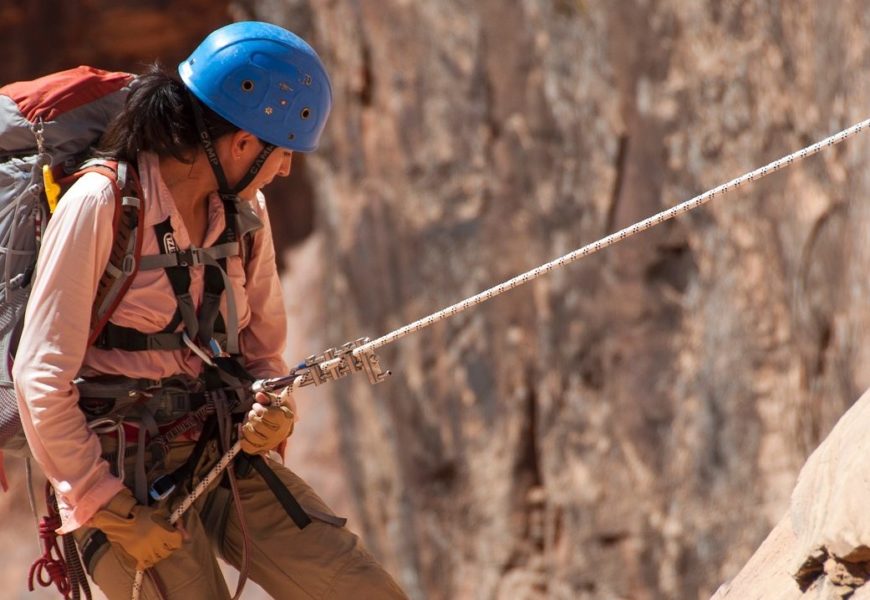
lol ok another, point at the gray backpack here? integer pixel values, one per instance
(47, 126)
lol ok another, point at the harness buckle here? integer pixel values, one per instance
(188, 258)
(128, 265)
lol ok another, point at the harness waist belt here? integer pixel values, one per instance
(166, 406)
(166, 400)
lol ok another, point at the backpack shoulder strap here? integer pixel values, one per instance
(126, 242)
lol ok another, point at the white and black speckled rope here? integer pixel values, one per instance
(609, 240)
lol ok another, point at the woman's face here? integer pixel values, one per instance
(239, 155)
(276, 165)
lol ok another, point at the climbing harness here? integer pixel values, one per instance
(359, 355)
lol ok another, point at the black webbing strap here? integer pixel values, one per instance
(255, 167)
(92, 544)
(213, 285)
(210, 319)
(209, 308)
(231, 366)
(208, 144)
(182, 474)
(179, 279)
(132, 340)
(291, 506)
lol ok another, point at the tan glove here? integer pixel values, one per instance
(142, 532)
(270, 422)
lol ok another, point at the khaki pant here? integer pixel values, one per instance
(323, 560)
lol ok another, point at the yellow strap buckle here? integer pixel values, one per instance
(52, 189)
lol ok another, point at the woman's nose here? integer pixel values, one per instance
(286, 162)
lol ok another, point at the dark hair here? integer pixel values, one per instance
(158, 117)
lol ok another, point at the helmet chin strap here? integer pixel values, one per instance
(214, 160)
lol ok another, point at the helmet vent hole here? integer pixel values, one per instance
(291, 137)
(306, 113)
(248, 85)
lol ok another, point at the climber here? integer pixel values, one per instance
(123, 427)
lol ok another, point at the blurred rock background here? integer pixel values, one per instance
(628, 427)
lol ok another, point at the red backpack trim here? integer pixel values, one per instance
(52, 95)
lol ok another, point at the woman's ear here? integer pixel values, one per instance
(242, 142)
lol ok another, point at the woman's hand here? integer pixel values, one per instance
(270, 422)
(143, 533)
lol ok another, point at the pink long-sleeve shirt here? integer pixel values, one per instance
(53, 348)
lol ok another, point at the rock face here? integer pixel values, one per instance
(631, 426)
(41, 36)
(627, 427)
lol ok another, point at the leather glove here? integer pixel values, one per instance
(270, 422)
(142, 532)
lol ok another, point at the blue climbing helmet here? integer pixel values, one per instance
(263, 79)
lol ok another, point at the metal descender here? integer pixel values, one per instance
(329, 365)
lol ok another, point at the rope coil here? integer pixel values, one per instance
(50, 568)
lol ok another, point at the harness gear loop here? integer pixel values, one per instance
(116, 426)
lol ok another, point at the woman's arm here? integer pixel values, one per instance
(72, 259)
(263, 340)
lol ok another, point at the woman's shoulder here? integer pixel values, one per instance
(92, 186)
(92, 196)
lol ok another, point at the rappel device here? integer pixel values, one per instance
(329, 365)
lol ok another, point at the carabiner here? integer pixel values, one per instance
(197, 350)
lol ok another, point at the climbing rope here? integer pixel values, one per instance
(188, 501)
(611, 239)
(359, 355)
